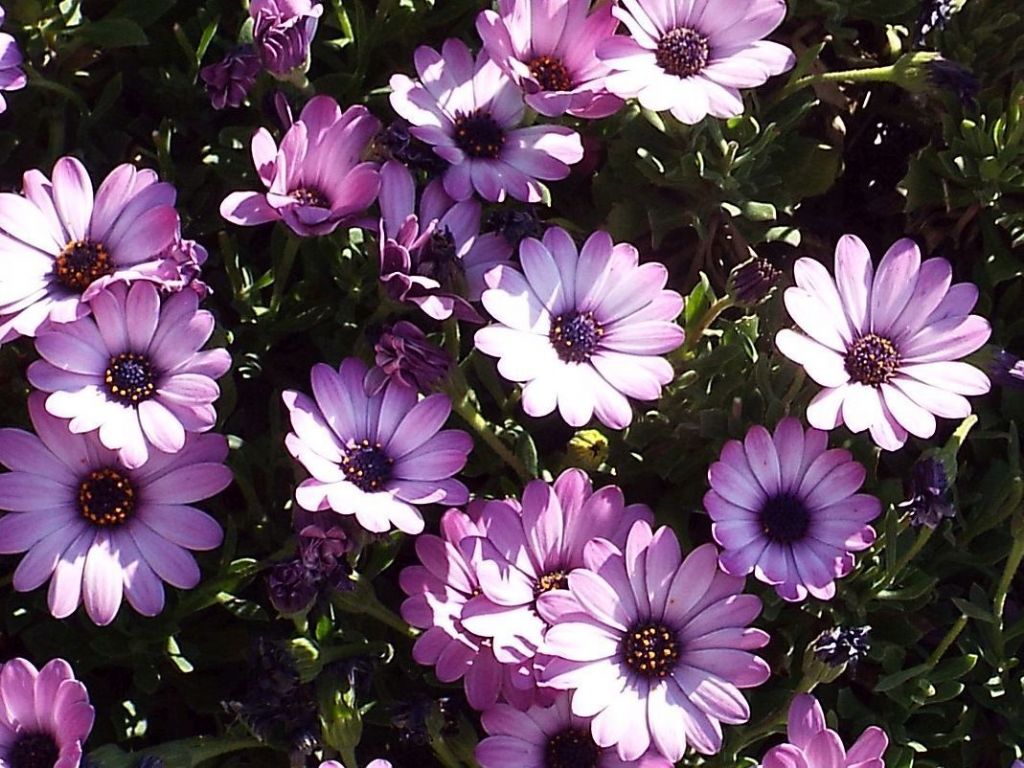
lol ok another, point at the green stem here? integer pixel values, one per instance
(283, 270)
(770, 724)
(947, 641)
(467, 411)
(922, 538)
(794, 388)
(884, 74)
(363, 600)
(694, 336)
(1009, 571)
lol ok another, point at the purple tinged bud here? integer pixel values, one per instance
(931, 497)
(406, 355)
(282, 32)
(753, 281)
(323, 554)
(1007, 370)
(228, 81)
(291, 587)
(840, 646)
(396, 143)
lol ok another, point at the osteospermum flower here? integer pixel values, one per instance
(470, 112)
(884, 343)
(788, 509)
(371, 764)
(433, 259)
(547, 47)
(12, 76)
(548, 737)
(656, 647)
(133, 370)
(282, 31)
(438, 591)
(813, 745)
(60, 245)
(582, 330)
(45, 715)
(315, 181)
(378, 456)
(691, 57)
(97, 529)
(529, 549)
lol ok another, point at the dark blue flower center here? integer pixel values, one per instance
(683, 52)
(785, 518)
(81, 263)
(575, 336)
(366, 465)
(872, 360)
(34, 750)
(106, 497)
(650, 650)
(479, 135)
(551, 73)
(130, 378)
(310, 196)
(571, 748)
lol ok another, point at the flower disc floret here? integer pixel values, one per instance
(81, 263)
(106, 497)
(683, 52)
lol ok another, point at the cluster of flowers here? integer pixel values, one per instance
(583, 634)
(100, 496)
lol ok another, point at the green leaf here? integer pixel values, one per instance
(113, 33)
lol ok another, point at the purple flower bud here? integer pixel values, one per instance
(842, 645)
(183, 266)
(515, 224)
(931, 497)
(282, 32)
(1007, 370)
(753, 281)
(291, 587)
(396, 143)
(228, 81)
(405, 355)
(323, 554)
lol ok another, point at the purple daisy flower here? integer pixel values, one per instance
(438, 591)
(45, 715)
(371, 764)
(12, 76)
(547, 48)
(582, 330)
(405, 354)
(283, 31)
(315, 181)
(529, 549)
(787, 508)
(812, 744)
(470, 112)
(691, 57)
(656, 647)
(133, 370)
(433, 259)
(884, 343)
(98, 530)
(60, 245)
(542, 737)
(375, 456)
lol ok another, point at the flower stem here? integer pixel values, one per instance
(884, 74)
(363, 600)
(947, 641)
(283, 270)
(915, 549)
(771, 723)
(462, 405)
(697, 333)
(1010, 569)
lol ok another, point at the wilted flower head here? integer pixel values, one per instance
(515, 224)
(432, 255)
(229, 80)
(934, 14)
(753, 281)
(291, 587)
(812, 744)
(884, 343)
(788, 509)
(582, 328)
(471, 112)
(12, 77)
(930, 494)
(60, 244)
(375, 456)
(1007, 370)
(691, 58)
(841, 645)
(930, 72)
(396, 142)
(45, 715)
(183, 268)
(283, 31)
(98, 530)
(405, 354)
(547, 47)
(315, 181)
